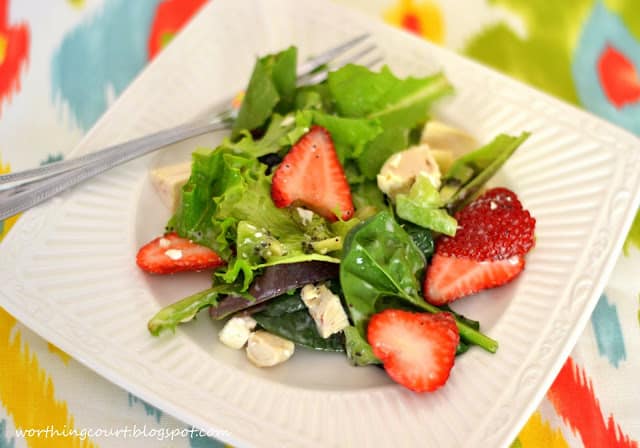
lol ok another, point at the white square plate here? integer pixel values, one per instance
(67, 269)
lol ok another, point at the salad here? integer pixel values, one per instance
(340, 217)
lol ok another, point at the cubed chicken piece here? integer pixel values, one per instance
(447, 143)
(325, 308)
(266, 350)
(399, 171)
(168, 181)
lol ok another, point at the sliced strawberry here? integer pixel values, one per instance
(170, 253)
(494, 234)
(417, 349)
(449, 278)
(311, 175)
(493, 227)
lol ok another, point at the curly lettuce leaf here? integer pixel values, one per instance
(214, 174)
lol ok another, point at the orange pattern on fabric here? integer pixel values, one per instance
(423, 18)
(619, 77)
(170, 17)
(28, 394)
(571, 387)
(15, 52)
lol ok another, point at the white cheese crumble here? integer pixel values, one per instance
(236, 331)
(174, 254)
(305, 215)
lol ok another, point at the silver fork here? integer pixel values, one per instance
(25, 189)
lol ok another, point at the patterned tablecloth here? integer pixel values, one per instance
(62, 63)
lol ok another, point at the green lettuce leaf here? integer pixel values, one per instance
(214, 174)
(470, 172)
(362, 93)
(389, 142)
(422, 206)
(349, 135)
(272, 85)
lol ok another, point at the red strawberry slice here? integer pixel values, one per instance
(493, 227)
(311, 175)
(417, 349)
(449, 278)
(494, 233)
(170, 253)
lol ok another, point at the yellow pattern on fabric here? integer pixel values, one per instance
(537, 433)
(3, 50)
(28, 394)
(56, 351)
(9, 222)
(77, 3)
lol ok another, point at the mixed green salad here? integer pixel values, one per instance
(371, 257)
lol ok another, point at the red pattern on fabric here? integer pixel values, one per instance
(170, 17)
(411, 22)
(16, 53)
(619, 77)
(574, 400)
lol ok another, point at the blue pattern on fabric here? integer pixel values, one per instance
(603, 28)
(606, 326)
(101, 54)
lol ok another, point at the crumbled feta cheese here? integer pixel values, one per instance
(493, 205)
(265, 349)
(305, 215)
(325, 308)
(174, 254)
(288, 120)
(236, 331)
(399, 172)
(164, 243)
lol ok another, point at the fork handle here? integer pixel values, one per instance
(18, 198)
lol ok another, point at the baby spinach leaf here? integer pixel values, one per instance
(285, 304)
(422, 238)
(380, 259)
(288, 317)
